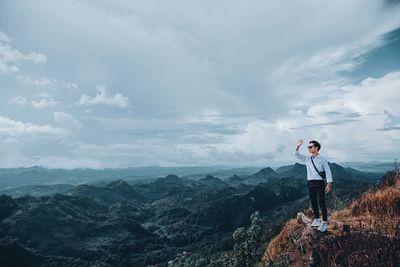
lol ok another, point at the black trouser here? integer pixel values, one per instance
(316, 189)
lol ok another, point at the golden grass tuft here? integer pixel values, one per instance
(377, 210)
(282, 241)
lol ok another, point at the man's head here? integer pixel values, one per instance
(313, 146)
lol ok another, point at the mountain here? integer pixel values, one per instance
(261, 176)
(374, 166)
(37, 190)
(284, 168)
(229, 213)
(338, 173)
(297, 171)
(235, 179)
(163, 187)
(115, 191)
(212, 182)
(365, 233)
(124, 223)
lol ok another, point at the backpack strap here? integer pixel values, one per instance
(320, 173)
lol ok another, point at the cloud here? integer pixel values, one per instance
(105, 151)
(10, 58)
(195, 87)
(28, 131)
(389, 128)
(19, 100)
(392, 122)
(198, 59)
(56, 162)
(337, 122)
(4, 38)
(72, 86)
(29, 134)
(43, 82)
(43, 101)
(372, 133)
(66, 121)
(40, 101)
(103, 98)
(348, 124)
(372, 130)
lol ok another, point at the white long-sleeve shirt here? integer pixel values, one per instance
(320, 162)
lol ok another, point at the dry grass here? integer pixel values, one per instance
(282, 241)
(377, 210)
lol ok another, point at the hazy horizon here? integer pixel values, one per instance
(216, 167)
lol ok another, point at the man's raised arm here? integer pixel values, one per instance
(297, 153)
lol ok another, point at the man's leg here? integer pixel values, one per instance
(321, 200)
(313, 193)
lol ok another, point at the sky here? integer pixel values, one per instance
(115, 84)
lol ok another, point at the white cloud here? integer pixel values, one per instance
(71, 86)
(375, 95)
(44, 82)
(105, 151)
(373, 100)
(22, 131)
(207, 115)
(39, 101)
(326, 64)
(43, 100)
(349, 126)
(55, 162)
(103, 98)
(36, 57)
(4, 68)
(19, 100)
(67, 121)
(13, 131)
(111, 147)
(10, 57)
(4, 38)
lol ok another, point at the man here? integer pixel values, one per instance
(317, 168)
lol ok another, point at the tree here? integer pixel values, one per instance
(245, 251)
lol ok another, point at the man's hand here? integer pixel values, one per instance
(328, 188)
(299, 143)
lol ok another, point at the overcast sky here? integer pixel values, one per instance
(176, 83)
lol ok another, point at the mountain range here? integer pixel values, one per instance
(128, 222)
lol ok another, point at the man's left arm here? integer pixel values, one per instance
(328, 176)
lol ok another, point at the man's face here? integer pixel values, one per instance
(312, 148)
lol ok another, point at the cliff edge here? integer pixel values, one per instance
(366, 233)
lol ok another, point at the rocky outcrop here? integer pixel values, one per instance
(367, 233)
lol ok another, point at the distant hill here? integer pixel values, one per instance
(262, 175)
(37, 190)
(296, 171)
(38, 176)
(283, 168)
(380, 167)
